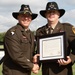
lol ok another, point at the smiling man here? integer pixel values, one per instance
(61, 66)
(19, 45)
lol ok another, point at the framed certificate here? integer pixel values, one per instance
(52, 47)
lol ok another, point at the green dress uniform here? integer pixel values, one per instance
(19, 48)
(53, 68)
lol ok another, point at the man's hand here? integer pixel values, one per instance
(35, 68)
(35, 58)
(64, 62)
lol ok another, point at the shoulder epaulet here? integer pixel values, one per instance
(13, 29)
(67, 24)
(40, 28)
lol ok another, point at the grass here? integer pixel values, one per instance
(1, 47)
(38, 73)
(73, 69)
(0, 69)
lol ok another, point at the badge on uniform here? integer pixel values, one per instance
(12, 33)
(73, 29)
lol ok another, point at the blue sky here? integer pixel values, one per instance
(9, 6)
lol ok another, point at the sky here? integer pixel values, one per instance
(7, 7)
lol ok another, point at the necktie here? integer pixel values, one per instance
(50, 30)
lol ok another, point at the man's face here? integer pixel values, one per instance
(52, 16)
(24, 20)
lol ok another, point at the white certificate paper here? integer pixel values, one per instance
(51, 48)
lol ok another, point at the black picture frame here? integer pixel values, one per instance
(57, 44)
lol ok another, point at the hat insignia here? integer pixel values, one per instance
(26, 8)
(51, 5)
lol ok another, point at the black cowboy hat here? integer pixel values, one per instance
(24, 9)
(52, 6)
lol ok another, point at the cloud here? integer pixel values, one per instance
(69, 17)
(6, 23)
(9, 6)
(70, 2)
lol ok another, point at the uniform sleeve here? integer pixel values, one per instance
(12, 46)
(71, 41)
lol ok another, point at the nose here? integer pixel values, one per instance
(26, 18)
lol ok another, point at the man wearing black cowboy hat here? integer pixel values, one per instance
(61, 66)
(19, 45)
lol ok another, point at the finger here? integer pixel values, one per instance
(35, 72)
(60, 61)
(37, 54)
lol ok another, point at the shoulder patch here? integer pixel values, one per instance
(12, 33)
(73, 29)
(41, 28)
(12, 30)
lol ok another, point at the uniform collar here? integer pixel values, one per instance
(56, 29)
(22, 28)
(53, 26)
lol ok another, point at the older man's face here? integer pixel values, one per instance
(24, 20)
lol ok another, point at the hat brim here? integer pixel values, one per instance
(15, 14)
(61, 11)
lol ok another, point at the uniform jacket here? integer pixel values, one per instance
(19, 48)
(53, 68)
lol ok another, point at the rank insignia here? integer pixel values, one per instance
(73, 29)
(47, 31)
(24, 37)
(51, 5)
(28, 60)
